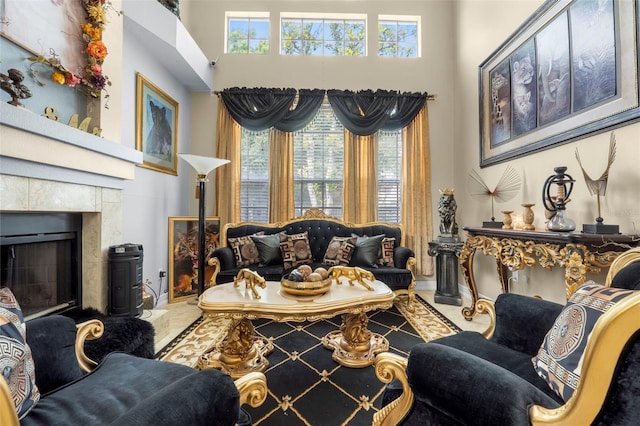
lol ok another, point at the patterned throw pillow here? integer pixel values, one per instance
(339, 251)
(16, 363)
(295, 249)
(559, 360)
(386, 252)
(244, 250)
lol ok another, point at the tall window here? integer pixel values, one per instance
(399, 36)
(247, 32)
(323, 35)
(318, 164)
(389, 176)
(254, 176)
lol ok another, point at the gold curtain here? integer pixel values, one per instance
(281, 206)
(360, 178)
(228, 135)
(416, 193)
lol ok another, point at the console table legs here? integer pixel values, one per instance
(354, 345)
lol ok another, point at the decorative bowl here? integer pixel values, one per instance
(305, 288)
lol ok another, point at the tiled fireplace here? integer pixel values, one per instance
(73, 172)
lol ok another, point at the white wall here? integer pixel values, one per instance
(153, 196)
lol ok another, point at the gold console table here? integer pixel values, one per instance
(577, 253)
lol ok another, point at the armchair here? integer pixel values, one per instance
(494, 377)
(122, 389)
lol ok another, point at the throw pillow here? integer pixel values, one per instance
(386, 252)
(295, 249)
(244, 250)
(560, 357)
(367, 251)
(269, 252)
(16, 363)
(339, 251)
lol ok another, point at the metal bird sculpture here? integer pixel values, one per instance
(599, 186)
(506, 188)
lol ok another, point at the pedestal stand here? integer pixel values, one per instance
(447, 252)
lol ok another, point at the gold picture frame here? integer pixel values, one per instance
(183, 254)
(156, 127)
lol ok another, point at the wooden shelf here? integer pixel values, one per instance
(166, 38)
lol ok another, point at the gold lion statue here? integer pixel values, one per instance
(353, 274)
(251, 280)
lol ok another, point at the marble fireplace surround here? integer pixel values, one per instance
(46, 166)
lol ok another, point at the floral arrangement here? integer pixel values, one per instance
(91, 76)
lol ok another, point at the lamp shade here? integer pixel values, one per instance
(203, 165)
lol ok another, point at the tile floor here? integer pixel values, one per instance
(182, 314)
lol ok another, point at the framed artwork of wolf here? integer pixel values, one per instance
(156, 127)
(569, 71)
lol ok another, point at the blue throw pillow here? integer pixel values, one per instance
(16, 363)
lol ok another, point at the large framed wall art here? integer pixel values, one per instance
(183, 254)
(156, 127)
(571, 70)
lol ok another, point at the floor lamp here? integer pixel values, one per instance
(203, 166)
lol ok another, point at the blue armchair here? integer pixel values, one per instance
(499, 377)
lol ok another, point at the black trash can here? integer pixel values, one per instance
(125, 280)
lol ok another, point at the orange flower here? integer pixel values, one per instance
(93, 32)
(58, 78)
(97, 49)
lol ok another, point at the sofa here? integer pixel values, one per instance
(273, 250)
(539, 362)
(49, 380)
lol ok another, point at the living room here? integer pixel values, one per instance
(122, 202)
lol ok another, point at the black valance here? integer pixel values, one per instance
(261, 108)
(366, 112)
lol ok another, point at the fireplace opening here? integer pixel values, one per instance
(41, 261)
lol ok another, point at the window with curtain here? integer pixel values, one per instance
(323, 34)
(247, 32)
(398, 36)
(254, 176)
(389, 175)
(318, 164)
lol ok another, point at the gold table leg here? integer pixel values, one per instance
(240, 352)
(354, 345)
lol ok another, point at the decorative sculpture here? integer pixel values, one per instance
(599, 188)
(353, 274)
(251, 280)
(12, 84)
(447, 207)
(506, 188)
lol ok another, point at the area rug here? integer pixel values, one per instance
(305, 385)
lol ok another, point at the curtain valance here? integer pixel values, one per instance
(260, 109)
(366, 112)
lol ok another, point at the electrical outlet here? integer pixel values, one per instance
(519, 277)
(162, 273)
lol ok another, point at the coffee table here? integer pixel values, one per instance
(241, 351)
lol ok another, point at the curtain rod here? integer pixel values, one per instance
(429, 97)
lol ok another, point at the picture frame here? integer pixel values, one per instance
(183, 255)
(156, 127)
(566, 73)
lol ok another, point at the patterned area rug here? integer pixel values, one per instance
(306, 387)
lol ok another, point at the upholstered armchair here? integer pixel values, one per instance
(538, 363)
(122, 389)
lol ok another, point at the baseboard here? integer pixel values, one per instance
(162, 300)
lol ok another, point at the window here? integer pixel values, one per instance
(389, 176)
(318, 164)
(323, 35)
(254, 176)
(247, 33)
(398, 36)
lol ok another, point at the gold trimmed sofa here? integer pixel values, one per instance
(538, 362)
(121, 389)
(257, 246)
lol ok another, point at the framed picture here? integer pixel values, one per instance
(570, 71)
(156, 127)
(183, 255)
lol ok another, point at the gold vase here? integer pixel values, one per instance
(528, 217)
(506, 220)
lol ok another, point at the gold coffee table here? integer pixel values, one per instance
(241, 352)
